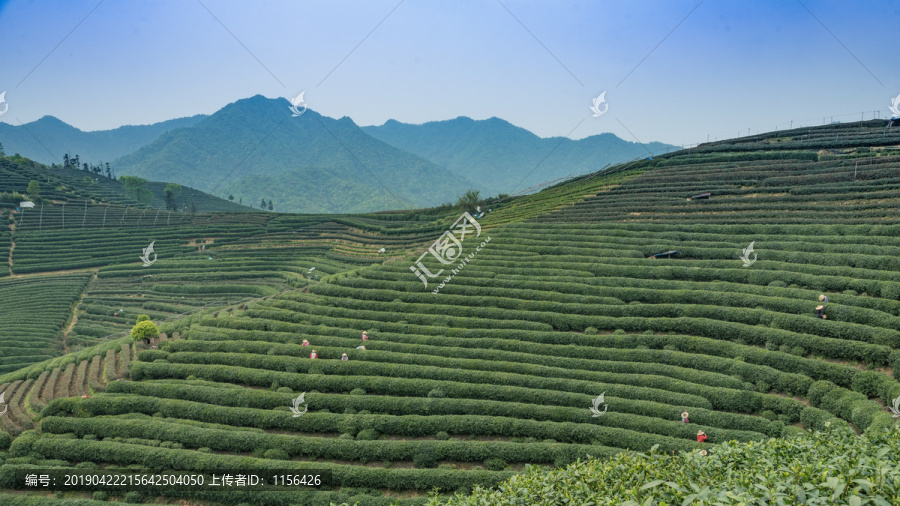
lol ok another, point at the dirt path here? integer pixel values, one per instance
(74, 318)
(12, 243)
(45, 273)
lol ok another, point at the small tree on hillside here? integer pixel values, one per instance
(143, 318)
(145, 330)
(34, 190)
(136, 187)
(172, 191)
(469, 200)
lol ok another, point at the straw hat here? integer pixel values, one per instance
(684, 415)
(818, 308)
(344, 355)
(699, 432)
(821, 297)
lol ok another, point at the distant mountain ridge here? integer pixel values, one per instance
(48, 138)
(498, 154)
(254, 148)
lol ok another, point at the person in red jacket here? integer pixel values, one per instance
(701, 437)
(314, 354)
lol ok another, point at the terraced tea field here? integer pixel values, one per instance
(497, 362)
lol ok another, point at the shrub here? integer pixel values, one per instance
(867, 383)
(346, 436)
(100, 495)
(785, 348)
(285, 390)
(591, 331)
(563, 461)
(425, 459)
(495, 464)
(142, 318)
(358, 391)
(367, 435)
(817, 390)
(798, 351)
(771, 346)
(350, 411)
(442, 436)
(763, 387)
(276, 454)
(436, 393)
(618, 332)
(134, 497)
(769, 415)
(778, 284)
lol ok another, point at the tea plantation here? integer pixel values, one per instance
(497, 365)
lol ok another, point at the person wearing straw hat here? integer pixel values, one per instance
(305, 343)
(823, 299)
(365, 337)
(344, 357)
(820, 312)
(684, 417)
(701, 436)
(314, 354)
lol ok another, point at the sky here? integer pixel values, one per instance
(677, 71)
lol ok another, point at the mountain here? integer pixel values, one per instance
(47, 139)
(254, 148)
(498, 155)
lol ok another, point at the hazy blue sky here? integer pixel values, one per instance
(726, 67)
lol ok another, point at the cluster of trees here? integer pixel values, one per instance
(472, 199)
(262, 203)
(74, 162)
